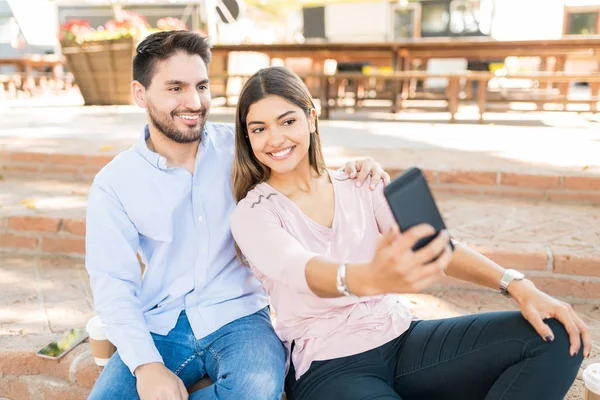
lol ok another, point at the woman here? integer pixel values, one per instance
(331, 257)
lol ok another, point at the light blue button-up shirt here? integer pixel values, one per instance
(179, 224)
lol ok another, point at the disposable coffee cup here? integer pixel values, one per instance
(102, 349)
(591, 379)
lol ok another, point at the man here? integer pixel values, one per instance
(196, 311)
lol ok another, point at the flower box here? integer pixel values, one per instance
(102, 69)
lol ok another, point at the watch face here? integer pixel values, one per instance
(515, 274)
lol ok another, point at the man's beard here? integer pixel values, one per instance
(165, 123)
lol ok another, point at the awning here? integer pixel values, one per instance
(37, 19)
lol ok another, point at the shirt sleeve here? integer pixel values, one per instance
(381, 208)
(112, 242)
(269, 247)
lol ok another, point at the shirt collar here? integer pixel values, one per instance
(156, 159)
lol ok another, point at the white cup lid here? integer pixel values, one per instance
(95, 326)
(591, 377)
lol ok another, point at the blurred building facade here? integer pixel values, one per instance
(23, 31)
(402, 19)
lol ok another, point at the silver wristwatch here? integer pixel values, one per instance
(341, 284)
(509, 276)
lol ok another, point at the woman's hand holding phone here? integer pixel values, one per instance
(396, 268)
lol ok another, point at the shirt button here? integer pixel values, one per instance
(200, 218)
(204, 250)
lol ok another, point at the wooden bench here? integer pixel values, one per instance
(552, 89)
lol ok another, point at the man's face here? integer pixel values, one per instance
(178, 98)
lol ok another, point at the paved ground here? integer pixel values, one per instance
(541, 143)
(30, 315)
(47, 197)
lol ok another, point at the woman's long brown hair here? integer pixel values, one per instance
(247, 171)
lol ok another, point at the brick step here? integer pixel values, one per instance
(45, 296)
(494, 180)
(43, 216)
(454, 172)
(24, 376)
(556, 243)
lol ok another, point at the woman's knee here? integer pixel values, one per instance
(560, 348)
(552, 359)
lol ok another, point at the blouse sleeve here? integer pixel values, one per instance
(269, 247)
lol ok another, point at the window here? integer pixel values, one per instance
(406, 21)
(463, 17)
(456, 18)
(435, 20)
(403, 24)
(581, 20)
(582, 23)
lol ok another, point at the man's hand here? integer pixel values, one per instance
(157, 382)
(360, 169)
(536, 306)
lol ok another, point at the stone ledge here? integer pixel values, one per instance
(553, 185)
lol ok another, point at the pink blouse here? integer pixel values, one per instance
(278, 240)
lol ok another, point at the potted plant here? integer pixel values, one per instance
(100, 59)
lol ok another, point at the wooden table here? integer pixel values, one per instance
(24, 64)
(29, 67)
(394, 54)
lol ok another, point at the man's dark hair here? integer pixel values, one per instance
(161, 45)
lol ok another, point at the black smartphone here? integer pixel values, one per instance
(412, 203)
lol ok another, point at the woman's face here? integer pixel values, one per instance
(279, 133)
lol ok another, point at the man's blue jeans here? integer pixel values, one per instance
(244, 358)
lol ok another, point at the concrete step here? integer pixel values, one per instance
(460, 179)
(552, 159)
